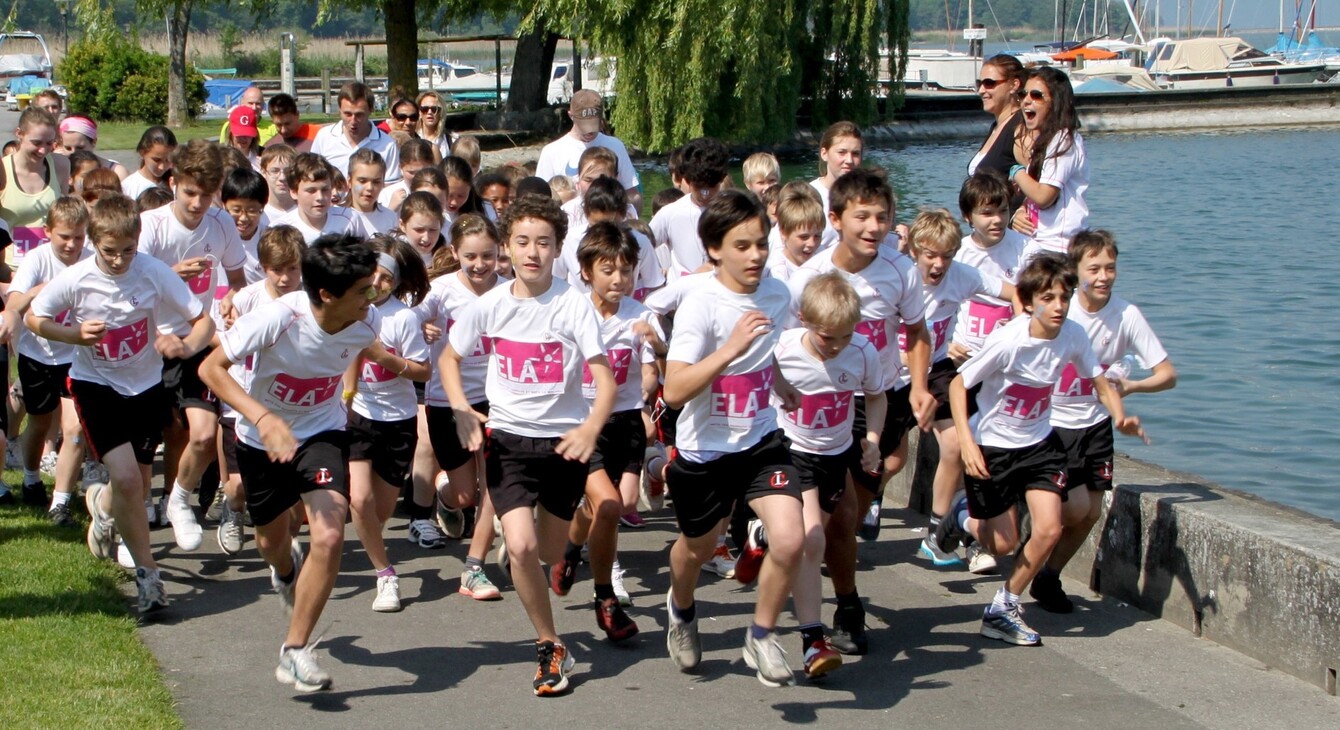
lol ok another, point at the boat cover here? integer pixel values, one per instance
(1203, 54)
(23, 64)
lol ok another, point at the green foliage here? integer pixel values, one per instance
(109, 77)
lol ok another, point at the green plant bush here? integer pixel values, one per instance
(111, 78)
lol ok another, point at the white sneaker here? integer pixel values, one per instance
(48, 464)
(94, 472)
(150, 512)
(230, 532)
(101, 529)
(298, 668)
(13, 457)
(722, 562)
(151, 595)
(980, 561)
(388, 594)
(185, 528)
(620, 592)
(767, 657)
(123, 556)
(285, 590)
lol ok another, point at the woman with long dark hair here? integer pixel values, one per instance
(1051, 170)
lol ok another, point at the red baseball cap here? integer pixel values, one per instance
(242, 122)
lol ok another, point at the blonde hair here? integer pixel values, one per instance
(467, 148)
(280, 246)
(829, 301)
(799, 206)
(560, 186)
(761, 166)
(937, 227)
(114, 217)
(67, 210)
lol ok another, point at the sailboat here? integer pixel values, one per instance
(1302, 45)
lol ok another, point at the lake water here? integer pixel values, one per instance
(1230, 244)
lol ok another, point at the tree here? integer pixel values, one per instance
(734, 69)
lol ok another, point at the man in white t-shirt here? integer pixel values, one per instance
(560, 156)
(291, 440)
(355, 131)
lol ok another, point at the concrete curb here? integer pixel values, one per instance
(1254, 576)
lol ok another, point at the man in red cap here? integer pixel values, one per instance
(560, 157)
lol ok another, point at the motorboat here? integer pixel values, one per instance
(24, 54)
(598, 73)
(458, 78)
(1221, 62)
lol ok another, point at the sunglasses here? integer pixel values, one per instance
(989, 84)
(406, 117)
(430, 109)
(1033, 94)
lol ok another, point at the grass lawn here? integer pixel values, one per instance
(68, 646)
(113, 136)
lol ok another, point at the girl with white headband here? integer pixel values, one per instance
(81, 133)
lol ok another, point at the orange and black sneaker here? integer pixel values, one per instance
(614, 621)
(821, 658)
(551, 677)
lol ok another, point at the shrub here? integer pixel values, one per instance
(110, 78)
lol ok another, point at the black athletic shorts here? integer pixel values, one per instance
(897, 421)
(389, 445)
(228, 441)
(1015, 471)
(447, 446)
(322, 462)
(111, 419)
(530, 472)
(1089, 453)
(621, 447)
(181, 378)
(827, 473)
(706, 493)
(42, 385)
(4, 377)
(937, 382)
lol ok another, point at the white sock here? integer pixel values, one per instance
(180, 497)
(59, 498)
(31, 475)
(1003, 601)
(721, 540)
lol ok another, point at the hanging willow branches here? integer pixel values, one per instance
(735, 69)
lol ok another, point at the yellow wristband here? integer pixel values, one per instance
(348, 395)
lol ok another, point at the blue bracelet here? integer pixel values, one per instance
(1015, 170)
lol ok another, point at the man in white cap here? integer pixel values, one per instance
(560, 156)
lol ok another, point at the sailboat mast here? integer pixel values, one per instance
(1219, 29)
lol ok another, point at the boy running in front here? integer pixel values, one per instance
(1009, 448)
(542, 431)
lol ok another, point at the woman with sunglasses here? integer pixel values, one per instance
(404, 117)
(1052, 170)
(1002, 78)
(430, 126)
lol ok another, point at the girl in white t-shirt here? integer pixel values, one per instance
(468, 272)
(828, 365)
(608, 257)
(542, 429)
(1009, 448)
(155, 150)
(421, 222)
(720, 369)
(840, 152)
(1053, 169)
(384, 410)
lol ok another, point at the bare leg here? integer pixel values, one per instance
(783, 520)
(807, 591)
(1045, 510)
(125, 502)
(326, 511)
(527, 575)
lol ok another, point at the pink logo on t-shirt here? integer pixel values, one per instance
(303, 392)
(939, 332)
(221, 291)
(983, 318)
(874, 330)
(741, 396)
(529, 367)
(199, 284)
(27, 238)
(640, 294)
(374, 373)
(822, 411)
(64, 319)
(1025, 402)
(1072, 385)
(621, 360)
(482, 348)
(122, 343)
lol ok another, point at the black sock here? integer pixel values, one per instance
(685, 615)
(604, 591)
(572, 553)
(418, 511)
(810, 634)
(849, 600)
(287, 579)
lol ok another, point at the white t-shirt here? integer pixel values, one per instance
(164, 237)
(1018, 373)
(647, 276)
(561, 156)
(249, 298)
(273, 213)
(822, 423)
(830, 234)
(576, 214)
(668, 298)
(982, 314)
(627, 353)
(960, 282)
(131, 305)
(297, 367)
(676, 227)
(135, 184)
(538, 346)
(40, 266)
(338, 220)
(389, 192)
(735, 411)
(381, 220)
(1069, 173)
(332, 143)
(382, 394)
(890, 298)
(780, 267)
(1113, 331)
(447, 298)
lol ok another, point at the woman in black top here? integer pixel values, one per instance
(999, 86)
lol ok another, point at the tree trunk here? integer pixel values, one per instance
(402, 48)
(178, 23)
(530, 69)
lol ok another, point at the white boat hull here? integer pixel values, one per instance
(1241, 77)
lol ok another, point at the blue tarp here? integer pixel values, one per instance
(1105, 86)
(224, 93)
(28, 84)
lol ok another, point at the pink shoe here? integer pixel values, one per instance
(633, 520)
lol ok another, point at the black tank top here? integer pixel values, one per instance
(1000, 155)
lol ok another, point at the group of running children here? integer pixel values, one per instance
(773, 346)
